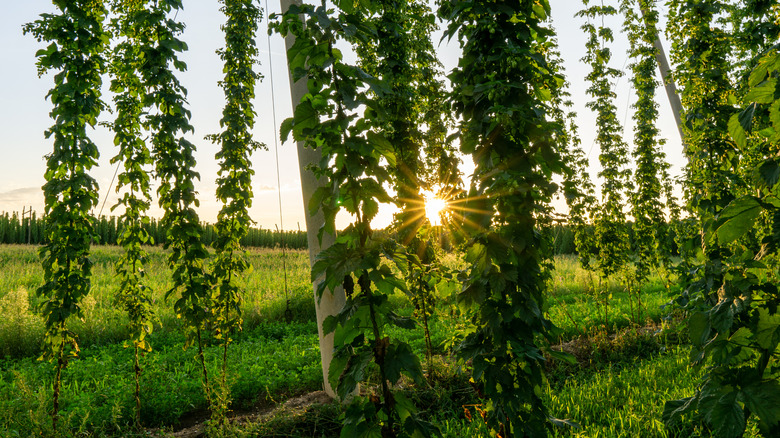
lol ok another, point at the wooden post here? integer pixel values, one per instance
(331, 303)
(26, 213)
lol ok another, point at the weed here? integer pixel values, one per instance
(21, 332)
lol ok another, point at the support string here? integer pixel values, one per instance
(287, 312)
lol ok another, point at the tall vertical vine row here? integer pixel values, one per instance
(136, 159)
(732, 300)
(389, 57)
(577, 189)
(700, 50)
(234, 184)
(610, 233)
(502, 89)
(580, 193)
(77, 41)
(168, 122)
(646, 200)
(402, 57)
(355, 164)
(743, 350)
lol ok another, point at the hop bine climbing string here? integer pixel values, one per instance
(280, 229)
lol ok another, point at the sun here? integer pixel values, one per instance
(434, 206)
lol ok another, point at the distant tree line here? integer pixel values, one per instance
(29, 229)
(17, 228)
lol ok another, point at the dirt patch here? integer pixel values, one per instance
(601, 347)
(292, 407)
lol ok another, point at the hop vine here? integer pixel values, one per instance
(174, 162)
(136, 159)
(504, 99)
(234, 182)
(732, 299)
(651, 166)
(356, 166)
(77, 42)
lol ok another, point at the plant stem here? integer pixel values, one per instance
(428, 343)
(57, 376)
(379, 356)
(639, 309)
(137, 368)
(224, 392)
(203, 365)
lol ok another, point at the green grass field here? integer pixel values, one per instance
(618, 388)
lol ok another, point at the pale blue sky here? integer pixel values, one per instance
(24, 111)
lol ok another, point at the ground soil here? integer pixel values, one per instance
(291, 407)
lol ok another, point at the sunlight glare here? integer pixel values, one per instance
(434, 206)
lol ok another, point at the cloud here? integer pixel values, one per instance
(24, 194)
(264, 188)
(18, 199)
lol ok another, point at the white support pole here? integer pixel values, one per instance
(663, 67)
(331, 303)
(671, 89)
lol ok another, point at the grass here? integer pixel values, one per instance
(608, 403)
(274, 358)
(618, 399)
(104, 323)
(624, 399)
(576, 300)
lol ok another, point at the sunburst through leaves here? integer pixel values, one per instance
(435, 206)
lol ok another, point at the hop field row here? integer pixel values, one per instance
(617, 389)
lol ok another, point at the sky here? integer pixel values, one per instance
(24, 112)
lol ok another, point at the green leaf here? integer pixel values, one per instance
(746, 117)
(400, 358)
(763, 399)
(285, 129)
(563, 357)
(417, 428)
(360, 420)
(674, 410)
(403, 322)
(472, 295)
(352, 374)
(329, 324)
(726, 416)
(767, 334)
(477, 256)
(774, 115)
(758, 74)
(740, 124)
(699, 328)
(315, 202)
(383, 146)
(387, 283)
(540, 11)
(403, 406)
(305, 118)
(737, 132)
(737, 218)
(768, 173)
(370, 209)
(721, 316)
(763, 93)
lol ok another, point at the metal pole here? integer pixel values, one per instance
(331, 303)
